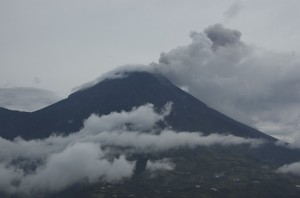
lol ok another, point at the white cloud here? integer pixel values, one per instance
(81, 162)
(166, 139)
(97, 152)
(141, 118)
(158, 165)
(78, 162)
(292, 141)
(293, 168)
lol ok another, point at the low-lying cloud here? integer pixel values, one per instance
(164, 164)
(81, 162)
(99, 151)
(293, 168)
(255, 86)
(233, 10)
(167, 139)
(26, 98)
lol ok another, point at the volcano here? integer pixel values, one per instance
(237, 171)
(115, 95)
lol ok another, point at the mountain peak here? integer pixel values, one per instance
(130, 89)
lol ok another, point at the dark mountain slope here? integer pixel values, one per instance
(11, 122)
(66, 116)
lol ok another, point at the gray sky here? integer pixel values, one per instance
(59, 44)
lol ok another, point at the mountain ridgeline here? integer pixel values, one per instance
(137, 88)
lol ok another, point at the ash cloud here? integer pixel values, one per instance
(98, 152)
(258, 87)
(233, 10)
(221, 36)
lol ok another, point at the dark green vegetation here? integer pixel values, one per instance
(237, 171)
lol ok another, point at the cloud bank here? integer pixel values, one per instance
(255, 86)
(26, 98)
(80, 162)
(99, 151)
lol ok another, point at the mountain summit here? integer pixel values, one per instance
(114, 95)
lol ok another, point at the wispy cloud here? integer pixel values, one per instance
(233, 10)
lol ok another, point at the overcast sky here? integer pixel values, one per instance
(59, 44)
